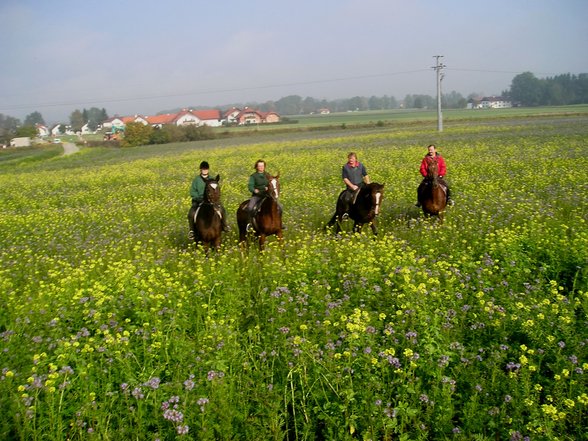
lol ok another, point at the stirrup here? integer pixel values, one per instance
(249, 228)
(191, 235)
(345, 216)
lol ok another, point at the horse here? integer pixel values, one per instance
(208, 215)
(432, 193)
(267, 219)
(363, 210)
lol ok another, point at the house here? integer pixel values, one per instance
(230, 116)
(249, 116)
(57, 130)
(494, 102)
(211, 118)
(42, 130)
(86, 130)
(270, 117)
(324, 111)
(182, 118)
(24, 141)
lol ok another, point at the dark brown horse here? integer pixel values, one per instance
(363, 210)
(268, 217)
(432, 193)
(207, 216)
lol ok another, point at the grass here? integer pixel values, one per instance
(115, 326)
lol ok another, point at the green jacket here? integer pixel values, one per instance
(197, 189)
(258, 181)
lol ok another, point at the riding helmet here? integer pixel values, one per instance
(204, 165)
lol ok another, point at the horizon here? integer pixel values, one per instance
(64, 56)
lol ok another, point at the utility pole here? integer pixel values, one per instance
(439, 67)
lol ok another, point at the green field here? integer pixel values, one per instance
(114, 326)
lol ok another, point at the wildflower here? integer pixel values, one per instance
(173, 415)
(138, 393)
(507, 398)
(202, 402)
(182, 430)
(153, 383)
(189, 383)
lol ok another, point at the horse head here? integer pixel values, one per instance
(432, 170)
(376, 192)
(212, 190)
(274, 186)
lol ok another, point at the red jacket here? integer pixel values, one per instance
(442, 168)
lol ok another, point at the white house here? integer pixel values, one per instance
(56, 130)
(42, 130)
(494, 102)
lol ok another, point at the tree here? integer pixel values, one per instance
(290, 105)
(526, 89)
(76, 120)
(29, 131)
(94, 117)
(136, 134)
(34, 118)
(8, 127)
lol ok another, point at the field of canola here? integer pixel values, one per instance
(114, 326)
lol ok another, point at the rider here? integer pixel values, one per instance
(197, 192)
(433, 155)
(258, 186)
(354, 176)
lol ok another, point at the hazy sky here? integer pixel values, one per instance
(148, 56)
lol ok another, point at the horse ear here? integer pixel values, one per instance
(217, 178)
(278, 175)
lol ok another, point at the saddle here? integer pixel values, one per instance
(216, 208)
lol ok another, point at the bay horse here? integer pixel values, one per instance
(267, 219)
(432, 193)
(208, 216)
(363, 210)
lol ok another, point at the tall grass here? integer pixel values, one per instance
(114, 326)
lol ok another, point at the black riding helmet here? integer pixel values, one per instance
(204, 165)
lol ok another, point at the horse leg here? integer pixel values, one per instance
(374, 228)
(261, 241)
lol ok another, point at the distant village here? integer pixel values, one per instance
(185, 117)
(211, 118)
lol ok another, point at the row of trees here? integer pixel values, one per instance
(528, 90)
(296, 105)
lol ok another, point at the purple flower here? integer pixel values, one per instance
(182, 430)
(173, 415)
(138, 393)
(202, 402)
(189, 383)
(153, 383)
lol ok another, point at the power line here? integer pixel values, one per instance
(202, 92)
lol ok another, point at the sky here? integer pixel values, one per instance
(144, 57)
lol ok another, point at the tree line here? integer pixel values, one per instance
(525, 90)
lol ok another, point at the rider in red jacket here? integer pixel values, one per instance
(433, 155)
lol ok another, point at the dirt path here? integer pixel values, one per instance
(70, 148)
